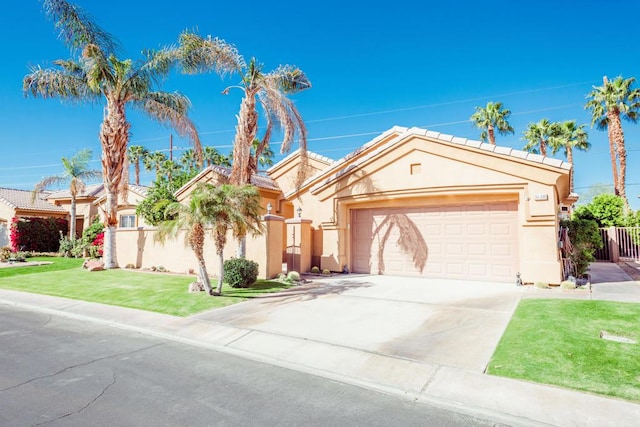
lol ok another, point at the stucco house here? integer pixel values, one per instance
(18, 204)
(409, 202)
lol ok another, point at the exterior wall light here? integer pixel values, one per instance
(269, 207)
(299, 210)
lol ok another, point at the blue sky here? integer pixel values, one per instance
(407, 63)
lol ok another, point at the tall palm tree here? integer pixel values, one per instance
(97, 73)
(75, 172)
(137, 154)
(540, 135)
(270, 90)
(608, 104)
(153, 162)
(571, 136)
(235, 208)
(490, 118)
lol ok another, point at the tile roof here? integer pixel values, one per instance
(21, 199)
(259, 181)
(93, 190)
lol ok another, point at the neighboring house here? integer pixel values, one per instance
(127, 217)
(17, 203)
(86, 209)
(410, 202)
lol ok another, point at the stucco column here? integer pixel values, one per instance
(614, 246)
(273, 246)
(298, 245)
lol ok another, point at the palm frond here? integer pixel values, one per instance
(49, 83)
(199, 54)
(76, 28)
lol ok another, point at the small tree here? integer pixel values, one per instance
(606, 209)
(585, 238)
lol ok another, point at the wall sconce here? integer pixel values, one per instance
(299, 210)
(269, 207)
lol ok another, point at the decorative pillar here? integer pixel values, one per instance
(273, 246)
(299, 245)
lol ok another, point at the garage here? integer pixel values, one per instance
(473, 241)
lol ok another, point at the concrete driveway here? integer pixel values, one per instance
(441, 322)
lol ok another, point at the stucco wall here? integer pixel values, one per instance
(136, 247)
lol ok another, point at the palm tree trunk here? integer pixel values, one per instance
(221, 269)
(204, 276)
(613, 150)
(246, 131)
(543, 147)
(72, 226)
(137, 172)
(616, 129)
(573, 167)
(492, 135)
(114, 135)
(109, 251)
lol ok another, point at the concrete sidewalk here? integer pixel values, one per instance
(464, 390)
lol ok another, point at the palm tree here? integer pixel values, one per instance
(269, 90)
(192, 218)
(153, 161)
(97, 73)
(135, 155)
(540, 135)
(235, 208)
(571, 136)
(76, 171)
(490, 118)
(211, 156)
(189, 159)
(169, 168)
(265, 159)
(608, 104)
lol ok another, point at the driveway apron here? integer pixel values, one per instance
(441, 322)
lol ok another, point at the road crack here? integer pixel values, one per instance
(91, 402)
(80, 365)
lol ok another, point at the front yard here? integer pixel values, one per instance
(159, 292)
(559, 342)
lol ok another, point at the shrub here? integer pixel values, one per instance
(240, 272)
(21, 256)
(585, 238)
(37, 234)
(293, 276)
(326, 272)
(541, 285)
(567, 284)
(315, 270)
(5, 254)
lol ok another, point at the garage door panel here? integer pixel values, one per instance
(474, 241)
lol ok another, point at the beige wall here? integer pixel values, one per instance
(137, 248)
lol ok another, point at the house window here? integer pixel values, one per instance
(127, 221)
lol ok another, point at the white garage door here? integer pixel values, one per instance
(461, 241)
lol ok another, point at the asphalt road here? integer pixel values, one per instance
(56, 371)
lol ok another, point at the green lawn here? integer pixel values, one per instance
(159, 292)
(558, 342)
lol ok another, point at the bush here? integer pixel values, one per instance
(240, 272)
(567, 284)
(293, 276)
(326, 272)
(5, 254)
(315, 270)
(541, 285)
(37, 234)
(585, 238)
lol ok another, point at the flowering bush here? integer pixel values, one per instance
(37, 234)
(97, 246)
